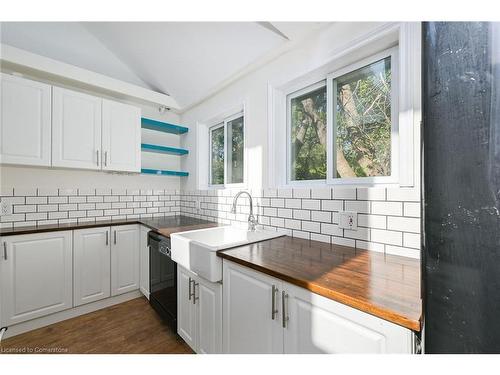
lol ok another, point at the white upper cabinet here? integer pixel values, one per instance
(91, 265)
(25, 121)
(121, 137)
(76, 130)
(124, 259)
(36, 276)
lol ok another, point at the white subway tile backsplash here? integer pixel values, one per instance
(311, 204)
(6, 192)
(411, 209)
(285, 212)
(77, 199)
(321, 193)
(402, 251)
(293, 203)
(412, 240)
(43, 192)
(372, 221)
(302, 193)
(332, 205)
(387, 208)
(342, 241)
(68, 192)
(320, 237)
(403, 194)
(103, 191)
(372, 246)
(24, 208)
(86, 191)
(47, 207)
(284, 193)
(371, 194)
(36, 216)
(311, 226)
(57, 200)
(404, 224)
(321, 216)
(362, 207)
(387, 236)
(36, 200)
(292, 224)
(331, 229)
(302, 214)
(359, 234)
(344, 193)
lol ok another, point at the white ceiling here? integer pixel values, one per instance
(187, 60)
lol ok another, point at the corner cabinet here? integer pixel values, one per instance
(36, 276)
(25, 135)
(263, 314)
(199, 312)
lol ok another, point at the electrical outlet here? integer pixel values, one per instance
(5, 208)
(348, 220)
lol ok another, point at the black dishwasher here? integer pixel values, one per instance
(162, 279)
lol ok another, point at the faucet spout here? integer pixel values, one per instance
(252, 222)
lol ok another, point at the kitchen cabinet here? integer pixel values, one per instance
(199, 312)
(36, 274)
(252, 311)
(76, 129)
(144, 261)
(124, 259)
(25, 121)
(91, 265)
(121, 137)
(263, 314)
(315, 324)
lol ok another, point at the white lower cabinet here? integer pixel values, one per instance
(263, 314)
(251, 324)
(144, 261)
(199, 312)
(91, 265)
(36, 276)
(124, 259)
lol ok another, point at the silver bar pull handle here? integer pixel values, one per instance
(107, 239)
(5, 250)
(97, 152)
(284, 299)
(105, 158)
(195, 284)
(274, 310)
(114, 233)
(190, 289)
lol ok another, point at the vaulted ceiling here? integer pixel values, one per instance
(187, 60)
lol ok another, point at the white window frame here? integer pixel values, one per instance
(289, 98)
(405, 37)
(331, 128)
(219, 124)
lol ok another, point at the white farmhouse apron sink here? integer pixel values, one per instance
(196, 249)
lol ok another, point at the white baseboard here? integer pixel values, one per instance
(43, 321)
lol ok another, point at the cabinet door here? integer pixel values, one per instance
(91, 265)
(121, 137)
(25, 121)
(124, 259)
(76, 129)
(248, 324)
(319, 325)
(186, 309)
(209, 316)
(36, 276)
(144, 262)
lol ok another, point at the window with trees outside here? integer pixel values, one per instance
(227, 151)
(342, 128)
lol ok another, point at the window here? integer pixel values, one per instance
(227, 151)
(343, 127)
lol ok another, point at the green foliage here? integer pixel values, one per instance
(217, 155)
(308, 149)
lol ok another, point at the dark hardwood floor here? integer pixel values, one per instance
(132, 327)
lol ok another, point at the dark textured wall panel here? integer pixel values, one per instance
(461, 187)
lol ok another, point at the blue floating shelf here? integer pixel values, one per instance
(163, 149)
(165, 127)
(161, 172)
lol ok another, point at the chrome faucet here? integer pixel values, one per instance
(252, 222)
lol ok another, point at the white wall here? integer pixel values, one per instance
(252, 91)
(389, 216)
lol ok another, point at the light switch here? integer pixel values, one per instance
(348, 220)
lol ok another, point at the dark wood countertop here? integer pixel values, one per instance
(165, 225)
(386, 286)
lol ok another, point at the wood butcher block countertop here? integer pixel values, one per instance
(386, 286)
(165, 225)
